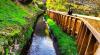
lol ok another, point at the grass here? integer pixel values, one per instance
(16, 22)
(66, 43)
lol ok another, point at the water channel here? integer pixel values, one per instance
(42, 44)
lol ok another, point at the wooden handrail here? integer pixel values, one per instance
(87, 37)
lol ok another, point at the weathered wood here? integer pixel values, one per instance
(81, 37)
(74, 27)
(80, 30)
(57, 18)
(78, 24)
(97, 52)
(60, 19)
(96, 47)
(63, 21)
(65, 25)
(84, 42)
(69, 23)
(88, 48)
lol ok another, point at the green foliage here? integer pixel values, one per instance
(33, 8)
(56, 5)
(7, 51)
(27, 36)
(16, 22)
(66, 43)
(63, 5)
(28, 32)
(11, 13)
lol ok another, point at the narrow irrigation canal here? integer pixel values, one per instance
(42, 44)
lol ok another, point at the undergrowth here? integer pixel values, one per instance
(66, 43)
(16, 23)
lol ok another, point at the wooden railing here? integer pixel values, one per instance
(87, 37)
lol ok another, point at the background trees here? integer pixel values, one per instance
(86, 7)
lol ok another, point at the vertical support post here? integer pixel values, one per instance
(74, 27)
(87, 48)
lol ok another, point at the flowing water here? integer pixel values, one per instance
(42, 44)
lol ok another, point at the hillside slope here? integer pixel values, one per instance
(16, 23)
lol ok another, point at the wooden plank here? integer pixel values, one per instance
(70, 25)
(74, 27)
(67, 23)
(65, 27)
(96, 47)
(52, 15)
(63, 21)
(81, 37)
(90, 50)
(84, 42)
(78, 24)
(97, 52)
(60, 20)
(88, 45)
(56, 17)
(79, 33)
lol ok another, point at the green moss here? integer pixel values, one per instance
(28, 32)
(11, 12)
(27, 36)
(16, 22)
(66, 43)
